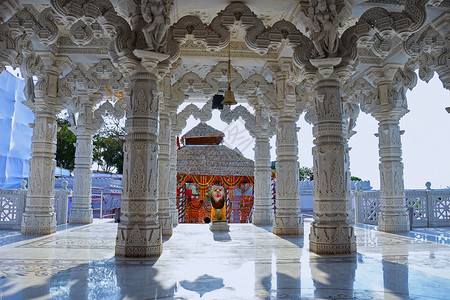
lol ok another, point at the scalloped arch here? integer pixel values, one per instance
(258, 38)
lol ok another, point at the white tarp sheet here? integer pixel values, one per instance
(15, 134)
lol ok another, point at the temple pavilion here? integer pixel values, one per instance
(204, 161)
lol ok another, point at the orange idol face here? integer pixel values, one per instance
(217, 192)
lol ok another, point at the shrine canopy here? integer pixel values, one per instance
(204, 161)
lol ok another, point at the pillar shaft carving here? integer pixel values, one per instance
(43, 99)
(331, 231)
(164, 207)
(139, 233)
(173, 179)
(288, 220)
(388, 108)
(393, 216)
(81, 209)
(262, 207)
(39, 217)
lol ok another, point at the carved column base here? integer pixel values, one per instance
(398, 222)
(80, 216)
(332, 239)
(138, 242)
(38, 224)
(288, 225)
(166, 224)
(262, 215)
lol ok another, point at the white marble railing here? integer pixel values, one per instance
(428, 208)
(12, 204)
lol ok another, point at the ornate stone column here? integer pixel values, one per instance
(81, 209)
(39, 216)
(331, 231)
(139, 233)
(262, 207)
(288, 220)
(164, 139)
(165, 205)
(388, 108)
(262, 130)
(393, 215)
(173, 179)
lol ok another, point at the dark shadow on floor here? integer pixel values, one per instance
(221, 236)
(203, 284)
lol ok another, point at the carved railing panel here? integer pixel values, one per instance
(440, 212)
(12, 206)
(430, 208)
(418, 201)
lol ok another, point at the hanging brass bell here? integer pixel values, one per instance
(229, 98)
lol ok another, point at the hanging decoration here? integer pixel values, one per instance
(114, 97)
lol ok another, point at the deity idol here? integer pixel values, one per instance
(218, 208)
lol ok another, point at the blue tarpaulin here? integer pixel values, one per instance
(15, 133)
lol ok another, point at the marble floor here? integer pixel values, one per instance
(249, 262)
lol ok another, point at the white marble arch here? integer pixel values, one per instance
(261, 126)
(88, 90)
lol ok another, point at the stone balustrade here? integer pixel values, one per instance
(12, 204)
(427, 208)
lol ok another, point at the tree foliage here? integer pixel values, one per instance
(354, 178)
(65, 145)
(305, 173)
(108, 148)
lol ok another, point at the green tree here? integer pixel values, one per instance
(354, 178)
(108, 148)
(65, 145)
(305, 173)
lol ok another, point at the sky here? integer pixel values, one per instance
(426, 141)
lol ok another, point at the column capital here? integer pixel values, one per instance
(391, 83)
(45, 95)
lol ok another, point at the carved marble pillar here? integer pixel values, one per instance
(81, 209)
(388, 107)
(393, 215)
(139, 232)
(331, 231)
(164, 139)
(173, 179)
(288, 220)
(262, 207)
(39, 216)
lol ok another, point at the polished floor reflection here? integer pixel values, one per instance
(249, 262)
